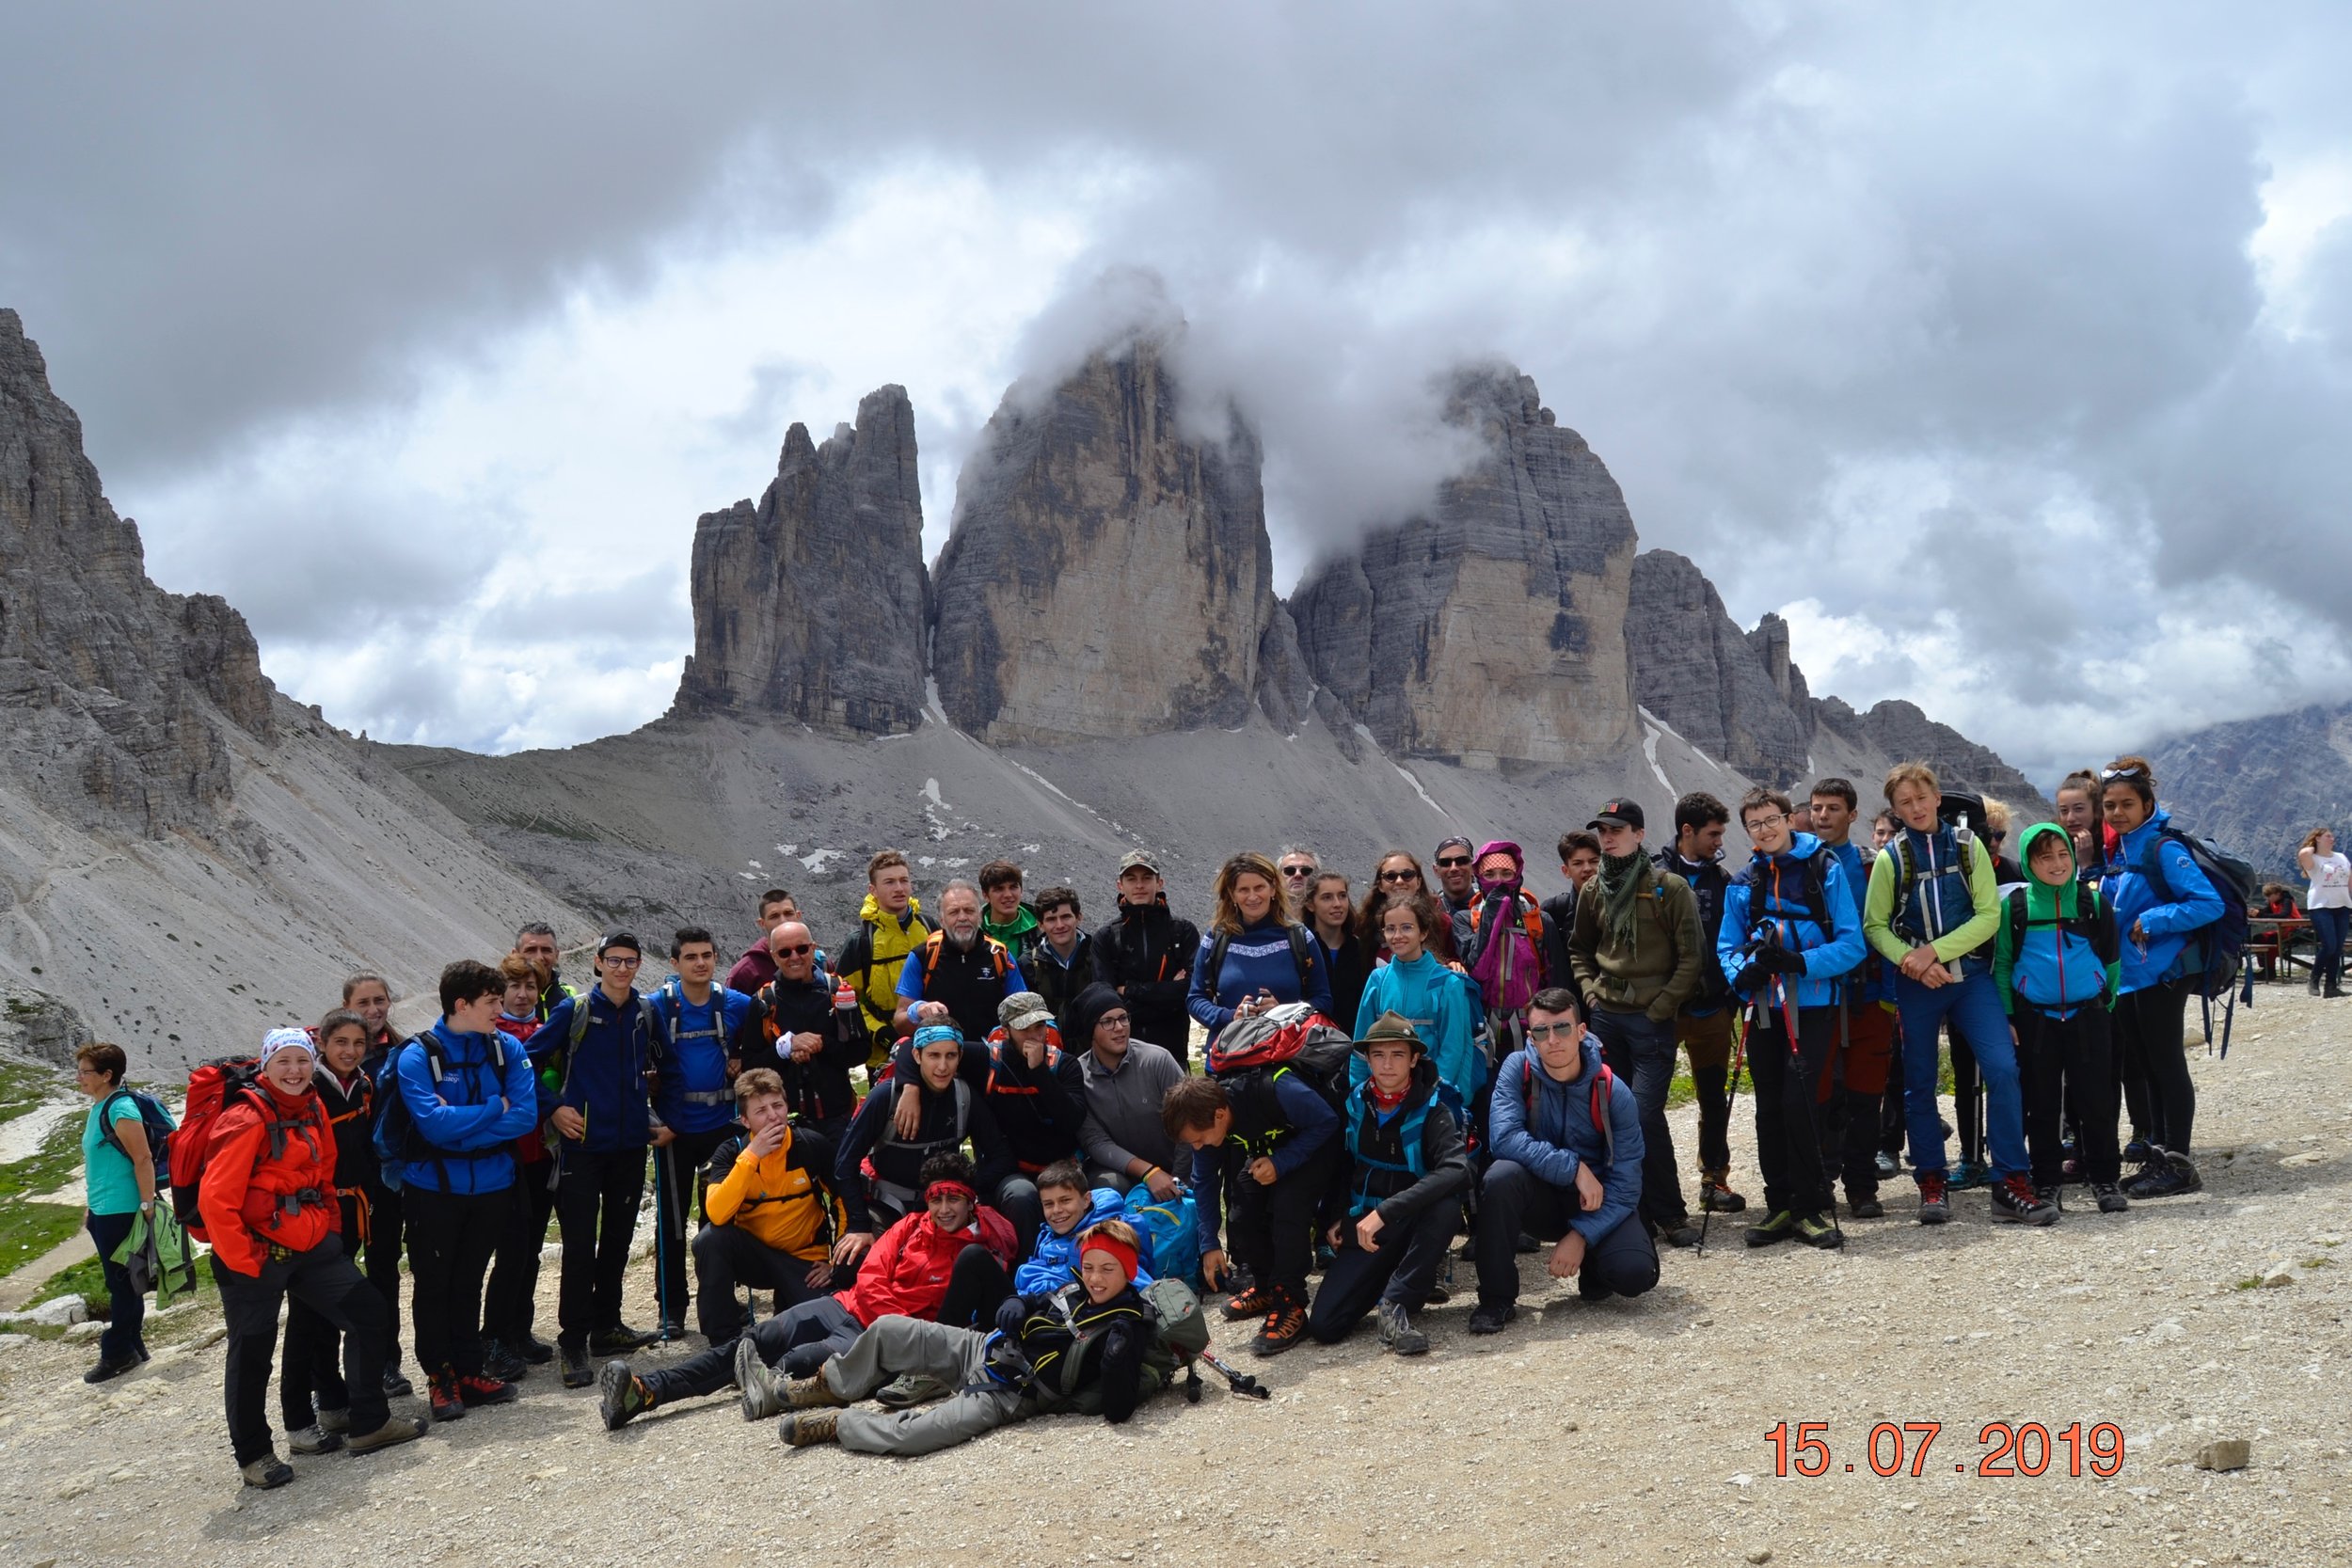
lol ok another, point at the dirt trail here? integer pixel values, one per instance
(1623, 1432)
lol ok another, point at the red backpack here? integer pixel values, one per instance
(213, 1087)
(1292, 1035)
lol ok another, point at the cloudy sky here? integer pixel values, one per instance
(2006, 349)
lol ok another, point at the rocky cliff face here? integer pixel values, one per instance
(1733, 694)
(2260, 785)
(810, 604)
(1900, 732)
(116, 691)
(1109, 573)
(1492, 629)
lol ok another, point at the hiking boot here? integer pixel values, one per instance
(1888, 1165)
(1777, 1227)
(2014, 1200)
(2048, 1192)
(618, 1339)
(449, 1401)
(1819, 1230)
(1284, 1327)
(2135, 1153)
(673, 1328)
(1936, 1205)
(808, 1393)
(331, 1419)
(267, 1473)
(396, 1429)
(1863, 1206)
(574, 1370)
(1397, 1331)
(106, 1371)
(2110, 1196)
(806, 1429)
(620, 1398)
(531, 1349)
(314, 1439)
(1489, 1319)
(2166, 1175)
(474, 1388)
(1716, 1197)
(760, 1386)
(907, 1391)
(2186, 1172)
(1969, 1174)
(1253, 1302)
(1679, 1233)
(502, 1364)
(396, 1384)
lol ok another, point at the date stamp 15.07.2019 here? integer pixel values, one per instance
(2008, 1450)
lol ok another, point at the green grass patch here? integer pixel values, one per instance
(2251, 1282)
(29, 1230)
(23, 1087)
(2318, 1262)
(1682, 1090)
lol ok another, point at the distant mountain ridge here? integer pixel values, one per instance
(2260, 785)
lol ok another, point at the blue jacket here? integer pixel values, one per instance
(1773, 891)
(1310, 1125)
(1444, 1009)
(1872, 979)
(2170, 913)
(1054, 1262)
(694, 1079)
(1558, 1137)
(460, 1117)
(605, 1079)
(1259, 958)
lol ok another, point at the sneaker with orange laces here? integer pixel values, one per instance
(1253, 1303)
(1935, 1207)
(1285, 1326)
(2014, 1200)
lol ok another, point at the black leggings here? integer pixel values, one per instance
(976, 1285)
(2149, 1041)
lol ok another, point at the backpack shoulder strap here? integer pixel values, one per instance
(1300, 958)
(1215, 966)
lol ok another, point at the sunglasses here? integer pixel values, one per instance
(1552, 1031)
(1296, 872)
(1400, 876)
(796, 952)
(1452, 863)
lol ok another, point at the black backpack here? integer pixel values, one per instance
(2223, 939)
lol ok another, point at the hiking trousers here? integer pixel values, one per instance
(680, 1189)
(1642, 1052)
(1856, 1112)
(1788, 1131)
(797, 1340)
(1623, 1262)
(727, 1259)
(310, 1368)
(451, 1237)
(1708, 1038)
(2150, 1040)
(595, 1203)
(387, 1235)
(123, 1340)
(896, 1347)
(2066, 1065)
(331, 1285)
(510, 1302)
(1271, 1230)
(1974, 1007)
(1401, 1268)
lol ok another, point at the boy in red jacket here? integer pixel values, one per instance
(268, 1206)
(927, 1265)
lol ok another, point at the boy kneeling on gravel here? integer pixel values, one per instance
(1566, 1137)
(1091, 1346)
(1285, 1131)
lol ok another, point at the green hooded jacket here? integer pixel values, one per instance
(2068, 934)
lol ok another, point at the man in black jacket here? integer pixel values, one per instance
(1580, 862)
(1146, 957)
(797, 1029)
(1059, 963)
(949, 1110)
(1398, 1204)
(1704, 1024)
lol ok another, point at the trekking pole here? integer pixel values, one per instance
(1738, 1064)
(1242, 1383)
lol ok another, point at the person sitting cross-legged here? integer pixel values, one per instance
(1400, 1202)
(1090, 1347)
(916, 1270)
(773, 1220)
(1567, 1144)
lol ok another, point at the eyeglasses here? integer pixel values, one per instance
(1565, 1029)
(1772, 821)
(2135, 771)
(1296, 872)
(1400, 876)
(1456, 862)
(1116, 1021)
(796, 952)
(613, 960)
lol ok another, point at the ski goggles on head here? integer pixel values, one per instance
(2108, 775)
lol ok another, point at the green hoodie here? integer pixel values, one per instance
(2041, 907)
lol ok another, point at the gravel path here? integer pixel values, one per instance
(1630, 1433)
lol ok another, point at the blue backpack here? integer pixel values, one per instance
(1172, 1228)
(397, 1140)
(159, 1125)
(2223, 940)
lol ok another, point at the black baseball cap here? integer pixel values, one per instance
(1619, 814)
(618, 939)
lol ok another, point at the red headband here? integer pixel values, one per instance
(952, 1189)
(1096, 1242)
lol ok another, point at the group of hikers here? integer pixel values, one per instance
(1015, 1213)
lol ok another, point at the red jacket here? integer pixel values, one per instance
(253, 1194)
(907, 1272)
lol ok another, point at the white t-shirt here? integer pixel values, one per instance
(2332, 883)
